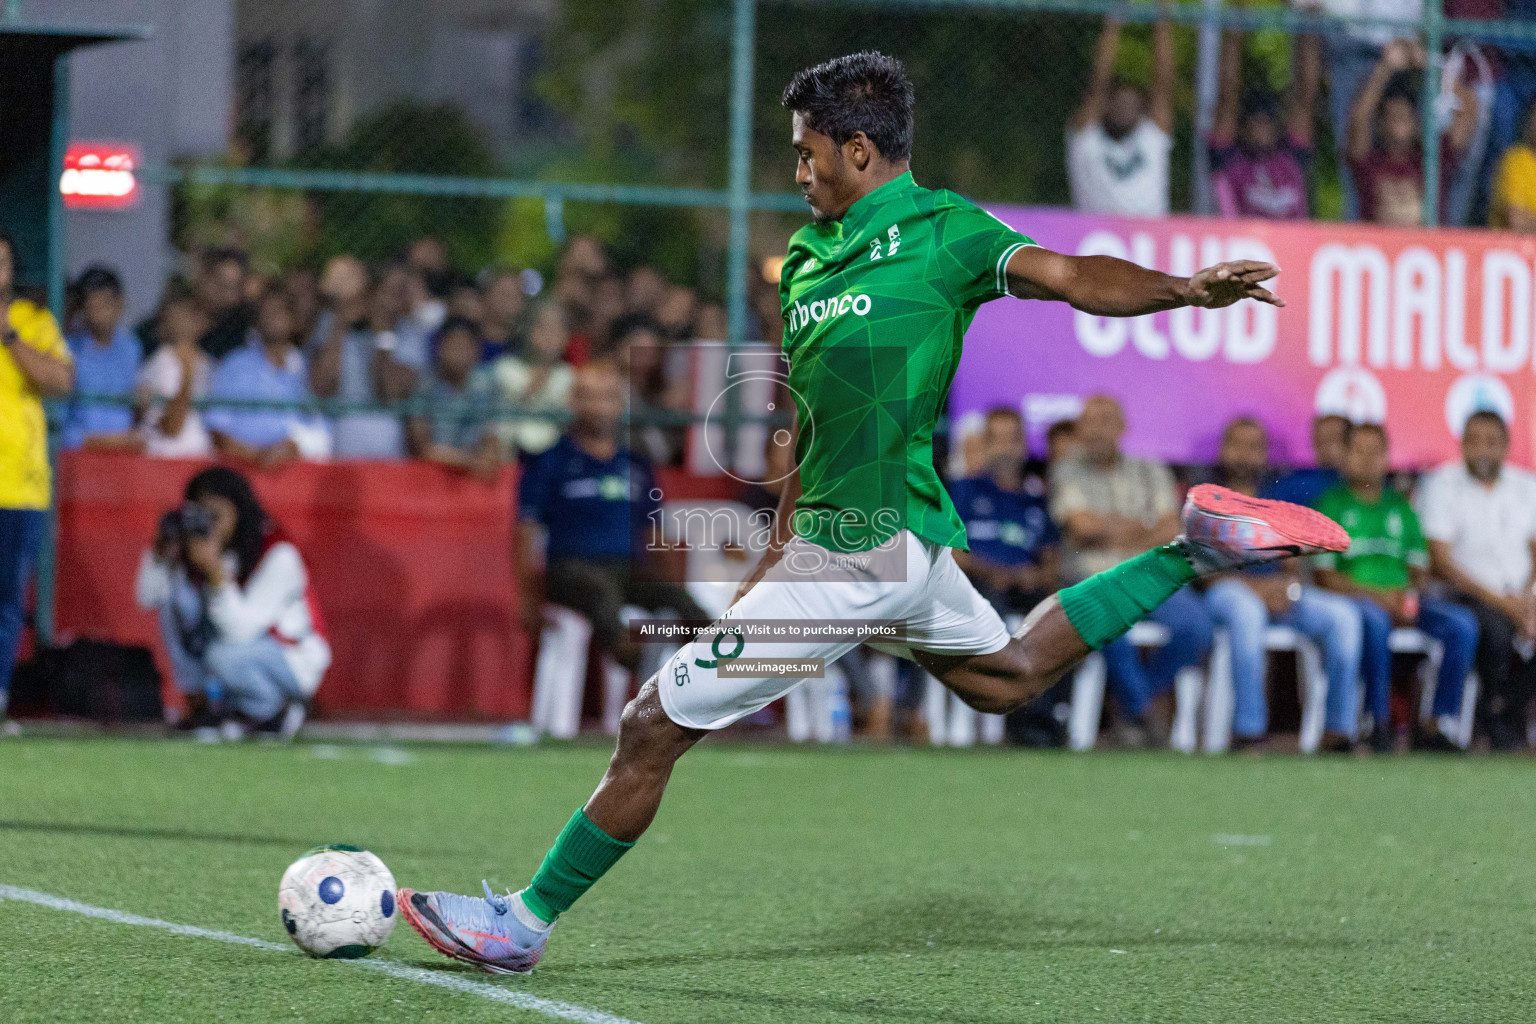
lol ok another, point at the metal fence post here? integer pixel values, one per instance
(47, 556)
(743, 45)
(1433, 39)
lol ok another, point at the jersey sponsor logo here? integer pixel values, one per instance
(802, 314)
(894, 238)
(874, 249)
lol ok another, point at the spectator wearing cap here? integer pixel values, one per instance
(1479, 516)
(1120, 139)
(1303, 486)
(1247, 601)
(450, 425)
(170, 381)
(106, 366)
(538, 380)
(1384, 572)
(1259, 156)
(268, 368)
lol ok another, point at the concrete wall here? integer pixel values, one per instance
(171, 95)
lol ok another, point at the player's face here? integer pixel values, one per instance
(821, 172)
(1484, 446)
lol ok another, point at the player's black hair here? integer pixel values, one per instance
(1486, 416)
(251, 522)
(863, 92)
(99, 278)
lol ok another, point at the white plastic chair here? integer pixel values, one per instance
(560, 675)
(1088, 694)
(1311, 680)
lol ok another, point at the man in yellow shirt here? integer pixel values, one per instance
(34, 364)
(1513, 204)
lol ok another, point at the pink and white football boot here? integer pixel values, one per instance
(1225, 530)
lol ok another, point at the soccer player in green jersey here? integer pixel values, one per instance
(877, 293)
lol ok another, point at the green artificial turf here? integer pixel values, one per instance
(796, 885)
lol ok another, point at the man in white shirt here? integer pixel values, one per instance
(1479, 517)
(1120, 138)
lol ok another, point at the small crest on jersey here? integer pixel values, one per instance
(809, 265)
(895, 238)
(874, 249)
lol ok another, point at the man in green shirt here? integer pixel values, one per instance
(876, 296)
(1384, 570)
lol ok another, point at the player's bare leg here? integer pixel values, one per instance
(649, 745)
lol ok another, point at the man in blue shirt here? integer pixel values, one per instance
(267, 368)
(1013, 555)
(596, 501)
(106, 364)
(1304, 486)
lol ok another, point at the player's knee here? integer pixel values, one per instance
(646, 735)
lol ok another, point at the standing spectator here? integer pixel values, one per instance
(644, 291)
(106, 359)
(1247, 602)
(1513, 203)
(451, 425)
(360, 359)
(268, 368)
(593, 499)
(675, 314)
(1013, 557)
(1386, 159)
(1352, 53)
(538, 380)
(1259, 160)
(220, 292)
(1479, 517)
(1120, 139)
(1306, 485)
(177, 375)
(465, 303)
(302, 286)
(501, 293)
(1384, 571)
(1111, 507)
(659, 387)
(34, 364)
(237, 611)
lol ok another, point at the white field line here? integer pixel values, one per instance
(393, 968)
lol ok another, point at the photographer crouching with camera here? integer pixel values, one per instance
(236, 612)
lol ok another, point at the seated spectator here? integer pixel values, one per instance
(1060, 441)
(1305, 485)
(675, 314)
(644, 291)
(267, 369)
(501, 298)
(1386, 158)
(1479, 517)
(1119, 141)
(177, 375)
(219, 291)
(302, 286)
(465, 303)
(1013, 557)
(358, 357)
(1384, 571)
(1248, 601)
(1513, 202)
(1259, 160)
(593, 499)
(451, 424)
(1111, 507)
(536, 379)
(106, 363)
(237, 613)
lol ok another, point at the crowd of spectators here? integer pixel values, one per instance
(1261, 146)
(1452, 559)
(410, 359)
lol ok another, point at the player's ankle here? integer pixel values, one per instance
(532, 912)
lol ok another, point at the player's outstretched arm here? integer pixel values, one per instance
(1105, 286)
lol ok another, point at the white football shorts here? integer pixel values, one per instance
(940, 609)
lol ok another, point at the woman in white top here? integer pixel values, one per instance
(537, 379)
(171, 380)
(236, 609)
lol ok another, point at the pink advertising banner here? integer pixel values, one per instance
(1416, 329)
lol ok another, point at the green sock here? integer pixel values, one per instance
(581, 855)
(1104, 606)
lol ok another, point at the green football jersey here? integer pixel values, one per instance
(1384, 538)
(875, 309)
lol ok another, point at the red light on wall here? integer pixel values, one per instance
(100, 176)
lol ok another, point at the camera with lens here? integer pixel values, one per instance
(179, 524)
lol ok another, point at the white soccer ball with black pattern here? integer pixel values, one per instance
(337, 902)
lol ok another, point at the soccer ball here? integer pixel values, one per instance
(337, 902)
